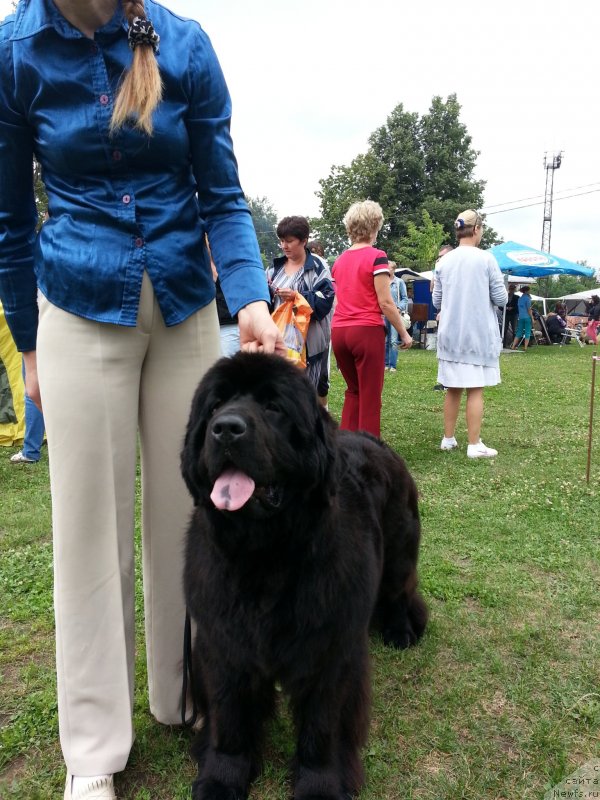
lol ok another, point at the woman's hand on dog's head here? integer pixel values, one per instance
(258, 332)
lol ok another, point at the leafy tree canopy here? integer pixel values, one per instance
(265, 222)
(413, 165)
(564, 284)
(419, 248)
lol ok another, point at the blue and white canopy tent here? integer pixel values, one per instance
(531, 263)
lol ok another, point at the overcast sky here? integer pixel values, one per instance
(310, 81)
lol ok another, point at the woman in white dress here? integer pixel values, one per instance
(468, 285)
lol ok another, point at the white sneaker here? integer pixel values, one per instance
(21, 458)
(449, 443)
(480, 450)
(98, 788)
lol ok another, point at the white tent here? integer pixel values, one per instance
(576, 302)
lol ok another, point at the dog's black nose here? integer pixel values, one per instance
(228, 427)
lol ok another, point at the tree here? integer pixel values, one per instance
(419, 248)
(564, 284)
(412, 165)
(264, 218)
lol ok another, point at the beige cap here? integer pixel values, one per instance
(468, 217)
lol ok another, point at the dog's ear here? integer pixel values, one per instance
(192, 447)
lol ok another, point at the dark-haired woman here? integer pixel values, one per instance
(134, 144)
(298, 270)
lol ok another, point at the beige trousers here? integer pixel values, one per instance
(100, 385)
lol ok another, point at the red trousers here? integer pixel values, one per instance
(360, 355)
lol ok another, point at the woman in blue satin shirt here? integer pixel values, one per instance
(136, 174)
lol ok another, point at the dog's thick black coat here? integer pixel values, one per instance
(285, 588)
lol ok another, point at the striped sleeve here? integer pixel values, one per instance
(380, 264)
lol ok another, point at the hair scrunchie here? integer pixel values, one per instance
(460, 223)
(141, 31)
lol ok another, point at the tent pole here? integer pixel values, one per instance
(589, 452)
(504, 311)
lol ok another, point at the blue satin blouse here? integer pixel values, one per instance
(118, 204)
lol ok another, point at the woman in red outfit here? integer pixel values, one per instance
(363, 299)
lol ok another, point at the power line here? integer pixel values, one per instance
(540, 202)
(533, 197)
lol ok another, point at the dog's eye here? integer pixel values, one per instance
(273, 407)
(214, 407)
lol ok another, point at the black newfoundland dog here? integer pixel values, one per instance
(303, 536)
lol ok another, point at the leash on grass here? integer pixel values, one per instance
(188, 672)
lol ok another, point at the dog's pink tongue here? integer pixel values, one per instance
(231, 490)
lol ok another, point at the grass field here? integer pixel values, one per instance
(501, 700)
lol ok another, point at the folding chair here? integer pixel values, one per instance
(572, 333)
(543, 328)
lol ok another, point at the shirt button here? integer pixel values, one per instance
(93, 48)
(139, 242)
(116, 155)
(126, 199)
(104, 99)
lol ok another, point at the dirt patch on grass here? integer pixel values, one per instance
(497, 705)
(435, 763)
(13, 770)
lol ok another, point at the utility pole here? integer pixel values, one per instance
(550, 164)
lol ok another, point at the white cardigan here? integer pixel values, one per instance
(467, 285)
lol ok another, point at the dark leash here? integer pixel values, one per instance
(188, 672)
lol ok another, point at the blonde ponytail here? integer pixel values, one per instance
(140, 90)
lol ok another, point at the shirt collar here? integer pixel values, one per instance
(33, 16)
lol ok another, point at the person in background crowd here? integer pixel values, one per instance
(525, 320)
(468, 286)
(297, 270)
(316, 248)
(362, 286)
(34, 433)
(228, 327)
(229, 331)
(561, 309)
(400, 298)
(593, 318)
(512, 314)
(138, 166)
(556, 325)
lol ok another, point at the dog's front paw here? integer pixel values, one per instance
(209, 789)
(399, 637)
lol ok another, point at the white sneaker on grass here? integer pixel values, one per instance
(21, 458)
(480, 450)
(448, 443)
(99, 787)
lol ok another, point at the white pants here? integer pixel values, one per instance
(100, 384)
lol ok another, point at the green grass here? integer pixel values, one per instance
(500, 700)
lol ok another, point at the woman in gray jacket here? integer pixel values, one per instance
(468, 284)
